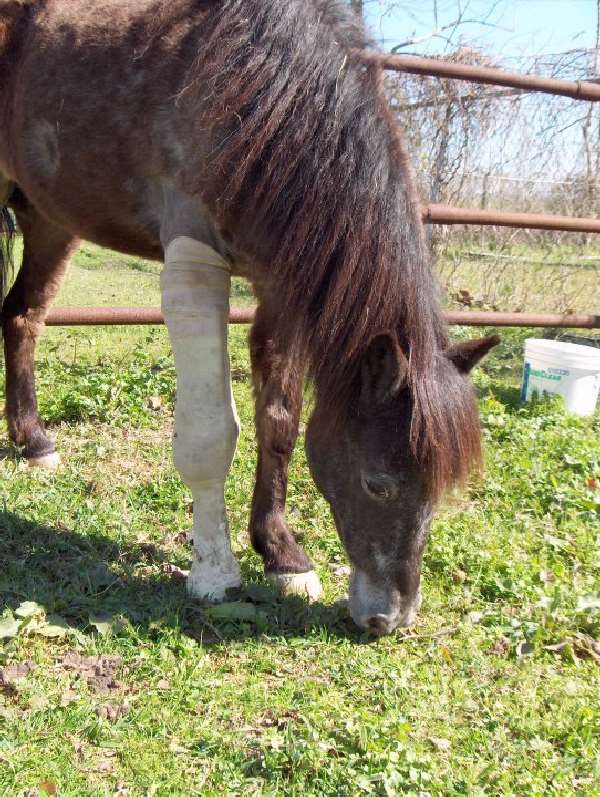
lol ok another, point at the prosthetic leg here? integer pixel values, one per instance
(195, 302)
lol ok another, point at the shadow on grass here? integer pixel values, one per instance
(80, 576)
(10, 454)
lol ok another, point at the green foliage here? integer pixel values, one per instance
(109, 392)
(135, 688)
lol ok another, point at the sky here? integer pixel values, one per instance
(515, 27)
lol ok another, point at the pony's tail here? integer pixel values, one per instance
(8, 232)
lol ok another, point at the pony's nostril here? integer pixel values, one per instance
(378, 624)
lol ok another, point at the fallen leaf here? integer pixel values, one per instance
(176, 573)
(38, 703)
(28, 609)
(555, 542)
(240, 612)
(108, 624)
(176, 747)
(445, 651)
(49, 788)
(68, 697)
(105, 765)
(55, 628)
(112, 713)
(585, 602)
(459, 576)
(475, 617)
(340, 570)
(248, 730)
(9, 628)
(441, 744)
(102, 626)
(163, 684)
(580, 646)
(499, 648)
(77, 743)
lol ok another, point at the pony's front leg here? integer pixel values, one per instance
(278, 372)
(195, 302)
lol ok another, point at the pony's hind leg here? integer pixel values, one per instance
(278, 379)
(46, 252)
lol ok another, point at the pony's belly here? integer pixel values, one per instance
(118, 229)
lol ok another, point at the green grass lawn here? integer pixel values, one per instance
(113, 682)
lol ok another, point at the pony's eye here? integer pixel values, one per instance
(380, 487)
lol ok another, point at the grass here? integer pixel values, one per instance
(495, 692)
(520, 277)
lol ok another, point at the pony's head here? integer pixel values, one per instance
(384, 470)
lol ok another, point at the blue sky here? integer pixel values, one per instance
(516, 27)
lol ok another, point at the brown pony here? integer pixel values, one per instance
(253, 127)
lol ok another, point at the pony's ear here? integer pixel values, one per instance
(465, 356)
(384, 371)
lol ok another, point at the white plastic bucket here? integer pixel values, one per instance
(563, 369)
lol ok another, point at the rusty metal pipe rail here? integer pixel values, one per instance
(577, 89)
(133, 316)
(445, 214)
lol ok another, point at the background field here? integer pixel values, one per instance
(495, 692)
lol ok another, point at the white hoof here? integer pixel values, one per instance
(49, 462)
(211, 583)
(306, 585)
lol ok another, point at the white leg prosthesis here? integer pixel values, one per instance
(195, 302)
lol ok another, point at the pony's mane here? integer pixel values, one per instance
(309, 174)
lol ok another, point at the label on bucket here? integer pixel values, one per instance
(542, 381)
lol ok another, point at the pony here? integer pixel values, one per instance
(246, 137)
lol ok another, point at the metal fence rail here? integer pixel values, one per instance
(133, 316)
(445, 214)
(577, 89)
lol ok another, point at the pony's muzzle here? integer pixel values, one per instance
(379, 608)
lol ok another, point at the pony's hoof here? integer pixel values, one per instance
(306, 585)
(47, 462)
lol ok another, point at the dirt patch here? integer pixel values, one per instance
(98, 672)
